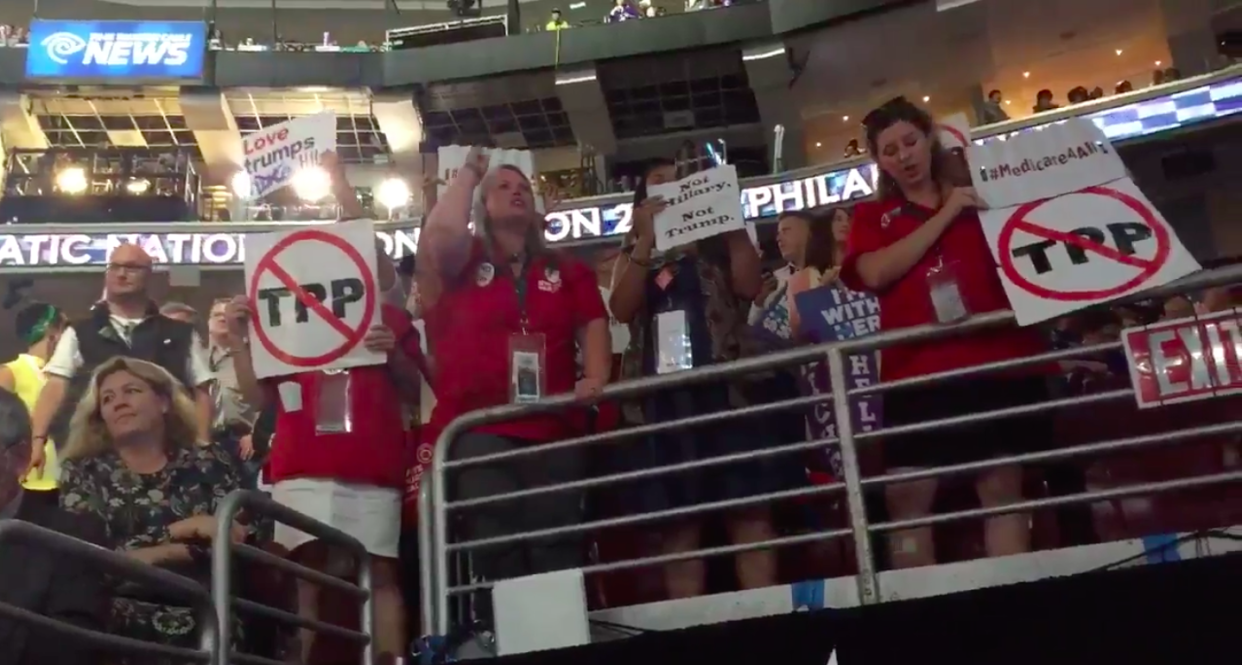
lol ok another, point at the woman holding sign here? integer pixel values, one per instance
(921, 249)
(503, 316)
(687, 308)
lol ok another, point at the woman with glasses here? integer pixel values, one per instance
(920, 248)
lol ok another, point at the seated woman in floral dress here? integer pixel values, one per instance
(132, 459)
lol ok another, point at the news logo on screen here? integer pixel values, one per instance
(139, 50)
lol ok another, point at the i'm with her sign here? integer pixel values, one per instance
(703, 205)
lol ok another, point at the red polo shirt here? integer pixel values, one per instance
(373, 452)
(469, 330)
(907, 301)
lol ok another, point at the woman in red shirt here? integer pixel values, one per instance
(921, 249)
(503, 316)
(338, 452)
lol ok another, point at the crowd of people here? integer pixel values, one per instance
(127, 429)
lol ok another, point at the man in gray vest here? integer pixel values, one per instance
(125, 323)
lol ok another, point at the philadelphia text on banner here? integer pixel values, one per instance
(700, 206)
(274, 155)
(1067, 226)
(314, 296)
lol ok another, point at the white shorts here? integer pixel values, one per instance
(370, 514)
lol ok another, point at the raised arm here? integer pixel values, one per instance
(444, 244)
(745, 268)
(342, 191)
(629, 275)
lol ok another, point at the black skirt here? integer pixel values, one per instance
(967, 443)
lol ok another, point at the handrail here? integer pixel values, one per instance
(433, 517)
(119, 565)
(222, 551)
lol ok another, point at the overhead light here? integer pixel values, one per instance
(818, 144)
(1008, 102)
(241, 185)
(1158, 63)
(1026, 75)
(845, 118)
(1118, 51)
(311, 184)
(139, 186)
(393, 193)
(926, 99)
(71, 180)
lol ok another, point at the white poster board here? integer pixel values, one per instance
(314, 295)
(1066, 225)
(954, 132)
(700, 206)
(451, 158)
(275, 154)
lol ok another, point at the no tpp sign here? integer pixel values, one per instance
(314, 298)
(1082, 248)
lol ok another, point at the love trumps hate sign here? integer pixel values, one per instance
(703, 205)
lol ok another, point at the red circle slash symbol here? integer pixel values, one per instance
(957, 134)
(353, 335)
(1146, 267)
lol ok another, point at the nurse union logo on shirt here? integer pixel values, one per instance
(551, 282)
(116, 48)
(485, 274)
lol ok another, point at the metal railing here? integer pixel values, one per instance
(434, 505)
(14, 532)
(222, 592)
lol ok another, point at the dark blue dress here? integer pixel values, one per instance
(685, 444)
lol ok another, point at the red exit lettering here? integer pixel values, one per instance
(1186, 359)
(263, 141)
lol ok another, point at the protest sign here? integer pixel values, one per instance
(314, 296)
(832, 314)
(1066, 225)
(954, 132)
(451, 158)
(275, 154)
(700, 206)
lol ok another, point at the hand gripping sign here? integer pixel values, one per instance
(314, 297)
(700, 206)
(1066, 225)
(275, 154)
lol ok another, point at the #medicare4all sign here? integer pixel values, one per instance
(116, 49)
(1066, 225)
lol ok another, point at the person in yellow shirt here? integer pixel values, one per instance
(39, 326)
(556, 22)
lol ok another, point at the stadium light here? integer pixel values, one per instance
(311, 184)
(393, 193)
(72, 180)
(241, 185)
